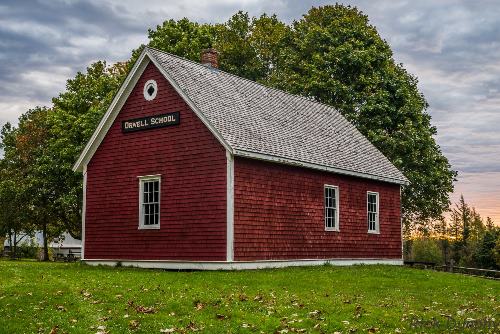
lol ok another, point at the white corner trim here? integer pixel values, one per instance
(230, 207)
(401, 221)
(190, 103)
(239, 265)
(292, 162)
(113, 110)
(84, 209)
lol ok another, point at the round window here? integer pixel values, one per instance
(150, 90)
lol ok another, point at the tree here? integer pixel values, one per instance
(183, 38)
(29, 155)
(496, 252)
(485, 252)
(251, 47)
(338, 58)
(14, 204)
(71, 122)
(426, 250)
(333, 55)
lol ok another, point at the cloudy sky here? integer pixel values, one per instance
(453, 47)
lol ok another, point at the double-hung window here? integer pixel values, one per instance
(149, 202)
(331, 208)
(373, 212)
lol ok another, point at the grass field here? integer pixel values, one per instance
(75, 298)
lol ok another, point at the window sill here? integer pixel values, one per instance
(155, 227)
(332, 230)
(373, 232)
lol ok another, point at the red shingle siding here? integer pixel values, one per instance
(279, 214)
(192, 164)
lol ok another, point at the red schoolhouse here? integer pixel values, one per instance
(194, 168)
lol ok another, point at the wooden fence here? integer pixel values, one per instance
(490, 273)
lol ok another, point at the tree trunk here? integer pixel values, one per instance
(45, 243)
(14, 246)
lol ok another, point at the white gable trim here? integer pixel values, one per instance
(110, 115)
(122, 96)
(292, 162)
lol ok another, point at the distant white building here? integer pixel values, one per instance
(62, 245)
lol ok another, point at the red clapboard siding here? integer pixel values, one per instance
(192, 164)
(279, 214)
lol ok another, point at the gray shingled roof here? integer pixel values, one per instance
(255, 118)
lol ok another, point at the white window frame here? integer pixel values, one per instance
(336, 228)
(377, 213)
(142, 180)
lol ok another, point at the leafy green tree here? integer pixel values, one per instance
(338, 58)
(496, 252)
(484, 256)
(29, 155)
(333, 55)
(14, 195)
(183, 38)
(251, 47)
(426, 250)
(73, 119)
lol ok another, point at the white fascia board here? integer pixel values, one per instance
(240, 265)
(292, 162)
(190, 103)
(113, 110)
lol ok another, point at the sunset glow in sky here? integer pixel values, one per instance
(453, 47)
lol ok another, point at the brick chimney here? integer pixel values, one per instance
(209, 57)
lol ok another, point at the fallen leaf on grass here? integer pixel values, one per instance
(193, 327)
(101, 330)
(54, 330)
(86, 294)
(315, 314)
(168, 330)
(145, 309)
(61, 308)
(133, 324)
(221, 316)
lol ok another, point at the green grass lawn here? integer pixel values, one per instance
(75, 298)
